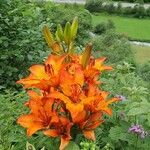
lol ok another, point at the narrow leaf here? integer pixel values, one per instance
(48, 36)
(67, 33)
(59, 32)
(86, 55)
(71, 48)
(74, 28)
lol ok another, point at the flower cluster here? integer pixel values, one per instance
(139, 130)
(69, 100)
(69, 96)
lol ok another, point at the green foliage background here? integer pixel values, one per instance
(22, 45)
(138, 11)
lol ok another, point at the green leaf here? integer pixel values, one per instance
(140, 108)
(72, 146)
(29, 146)
(138, 111)
(117, 133)
(59, 33)
(48, 36)
(74, 28)
(86, 55)
(67, 33)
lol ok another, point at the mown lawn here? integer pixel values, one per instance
(137, 29)
(142, 53)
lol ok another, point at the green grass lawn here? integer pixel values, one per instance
(137, 29)
(142, 53)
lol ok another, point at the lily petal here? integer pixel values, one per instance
(89, 135)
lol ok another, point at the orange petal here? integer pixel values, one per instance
(99, 64)
(89, 135)
(113, 100)
(55, 61)
(58, 95)
(108, 111)
(39, 72)
(88, 100)
(75, 109)
(35, 105)
(103, 106)
(28, 81)
(34, 128)
(29, 121)
(104, 94)
(63, 144)
(35, 83)
(51, 133)
(95, 116)
(66, 89)
(106, 68)
(72, 73)
(94, 125)
(80, 118)
(34, 95)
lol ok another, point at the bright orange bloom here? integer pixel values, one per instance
(41, 115)
(62, 130)
(71, 97)
(101, 103)
(72, 73)
(44, 76)
(75, 106)
(98, 64)
(89, 123)
(94, 69)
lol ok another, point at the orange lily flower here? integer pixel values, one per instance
(89, 122)
(41, 115)
(94, 69)
(62, 130)
(44, 76)
(72, 73)
(101, 104)
(98, 64)
(75, 104)
(69, 97)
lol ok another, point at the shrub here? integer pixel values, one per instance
(133, 1)
(127, 10)
(100, 28)
(21, 37)
(110, 24)
(139, 11)
(110, 8)
(148, 11)
(144, 71)
(94, 5)
(119, 8)
(114, 47)
(103, 27)
(101, 6)
(12, 136)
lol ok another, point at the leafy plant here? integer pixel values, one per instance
(115, 47)
(21, 38)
